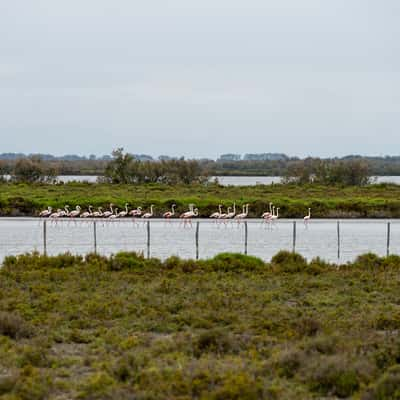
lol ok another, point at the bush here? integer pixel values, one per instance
(126, 260)
(234, 262)
(214, 340)
(13, 326)
(368, 261)
(331, 375)
(307, 326)
(287, 261)
(387, 387)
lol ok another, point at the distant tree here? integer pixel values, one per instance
(33, 169)
(122, 167)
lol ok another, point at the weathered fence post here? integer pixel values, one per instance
(388, 239)
(338, 239)
(294, 236)
(95, 237)
(246, 234)
(197, 239)
(148, 239)
(45, 238)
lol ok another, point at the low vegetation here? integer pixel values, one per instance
(374, 201)
(232, 327)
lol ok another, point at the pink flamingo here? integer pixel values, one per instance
(137, 212)
(217, 213)
(232, 214)
(244, 213)
(124, 213)
(307, 217)
(75, 213)
(46, 213)
(171, 213)
(98, 213)
(87, 214)
(188, 215)
(149, 214)
(107, 214)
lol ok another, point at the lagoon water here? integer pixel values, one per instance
(19, 235)
(233, 180)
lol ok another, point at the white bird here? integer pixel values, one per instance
(87, 214)
(149, 214)
(115, 215)
(46, 213)
(233, 213)
(171, 213)
(75, 213)
(307, 217)
(267, 214)
(217, 213)
(244, 214)
(137, 212)
(124, 213)
(107, 214)
(98, 213)
(274, 217)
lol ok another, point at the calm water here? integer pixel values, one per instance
(18, 235)
(223, 180)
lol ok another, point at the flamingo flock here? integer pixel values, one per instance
(268, 217)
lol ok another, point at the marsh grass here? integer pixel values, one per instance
(374, 201)
(231, 327)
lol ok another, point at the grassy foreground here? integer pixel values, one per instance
(227, 328)
(329, 202)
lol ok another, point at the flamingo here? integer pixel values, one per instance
(46, 213)
(107, 214)
(171, 213)
(225, 215)
(149, 214)
(137, 212)
(232, 214)
(268, 214)
(244, 213)
(65, 212)
(98, 213)
(217, 214)
(56, 214)
(187, 216)
(113, 216)
(75, 213)
(274, 216)
(124, 213)
(307, 217)
(87, 214)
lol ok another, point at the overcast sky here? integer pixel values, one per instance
(200, 78)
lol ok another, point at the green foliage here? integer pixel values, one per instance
(13, 326)
(232, 327)
(290, 262)
(32, 170)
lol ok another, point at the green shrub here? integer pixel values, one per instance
(387, 387)
(307, 326)
(287, 261)
(239, 387)
(332, 375)
(215, 340)
(13, 326)
(368, 261)
(126, 260)
(234, 262)
(289, 362)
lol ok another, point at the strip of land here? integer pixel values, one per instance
(231, 327)
(375, 201)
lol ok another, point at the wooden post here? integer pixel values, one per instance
(338, 239)
(245, 237)
(294, 236)
(95, 237)
(388, 240)
(148, 239)
(197, 239)
(45, 238)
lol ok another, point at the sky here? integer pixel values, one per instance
(200, 78)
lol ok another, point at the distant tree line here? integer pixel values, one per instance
(124, 168)
(121, 167)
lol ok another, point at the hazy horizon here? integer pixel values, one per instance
(199, 79)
